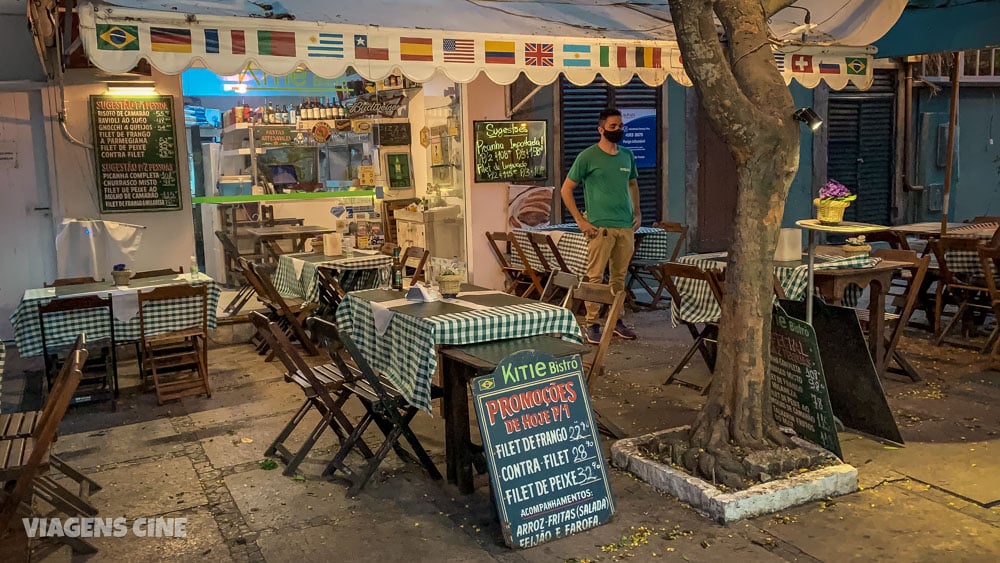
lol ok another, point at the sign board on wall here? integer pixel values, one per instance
(135, 152)
(544, 454)
(508, 151)
(640, 135)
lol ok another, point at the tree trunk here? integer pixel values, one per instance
(750, 108)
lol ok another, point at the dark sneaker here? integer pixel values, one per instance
(593, 334)
(622, 331)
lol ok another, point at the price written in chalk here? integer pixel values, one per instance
(510, 150)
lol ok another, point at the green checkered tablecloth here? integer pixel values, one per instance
(656, 244)
(699, 306)
(967, 262)
(62, 328)
(406, 352)
(296, 273)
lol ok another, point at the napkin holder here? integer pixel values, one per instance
(333, 245)
(789, 247)
(421, 293)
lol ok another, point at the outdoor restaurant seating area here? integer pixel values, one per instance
(369, 362)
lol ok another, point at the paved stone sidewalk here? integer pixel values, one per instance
(937, 499)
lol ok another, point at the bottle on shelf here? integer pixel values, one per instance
(397, 270)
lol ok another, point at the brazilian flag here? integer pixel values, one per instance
(114, 37)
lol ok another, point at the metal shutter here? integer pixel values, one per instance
(860, 150)
(578, 112)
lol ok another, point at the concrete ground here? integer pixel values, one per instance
(936, 499)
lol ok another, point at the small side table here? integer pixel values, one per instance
(844, 227)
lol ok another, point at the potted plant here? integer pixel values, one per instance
(449, 282)
(121, 274)
(833, 199)
(856, 246)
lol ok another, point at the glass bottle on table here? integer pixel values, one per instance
(397, 270)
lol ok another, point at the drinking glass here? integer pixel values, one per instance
(385, 277)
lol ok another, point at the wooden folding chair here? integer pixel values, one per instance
(384, 405)
(24, 425)
(705, 338)
(290, 313)
(177, 358)
(989, 261)
(100, 379)
(897, 316)
(418, 255)
(272, 250)
(63, 282)
(593, 361)
(600, 293)
(968, 291)
(245, 292)
(559, 280)
(540, 242)
(158, 273)
(637, 267)
(24, 460)
(323, 387)
(522, 281)
(330, 291)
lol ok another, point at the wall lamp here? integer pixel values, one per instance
(809, 117)
(132, 88)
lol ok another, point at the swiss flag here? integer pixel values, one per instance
(802, 63)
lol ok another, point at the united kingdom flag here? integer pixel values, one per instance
(538, 54)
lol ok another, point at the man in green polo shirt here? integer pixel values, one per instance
(611, 196)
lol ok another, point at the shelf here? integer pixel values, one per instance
(280, 197)
(241, 152)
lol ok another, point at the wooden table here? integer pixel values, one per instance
(933, 229)
(833, 283)
(459, 365)
(295, 233)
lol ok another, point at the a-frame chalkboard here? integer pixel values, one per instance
(548, 471)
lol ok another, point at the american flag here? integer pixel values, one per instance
(538, 54)
(459, 51)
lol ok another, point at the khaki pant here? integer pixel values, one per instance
(610, 249)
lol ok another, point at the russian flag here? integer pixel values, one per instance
(829, 68)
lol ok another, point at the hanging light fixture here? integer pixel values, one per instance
(132, 88)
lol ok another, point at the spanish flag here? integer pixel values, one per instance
(416, 49)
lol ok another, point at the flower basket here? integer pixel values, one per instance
(449, 284)
(121, 277)
(830, 212)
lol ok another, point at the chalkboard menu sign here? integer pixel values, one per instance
(266, 136)
(508, 151)
(544, 454)
(799, 396)
(135, 150)
(392, 134)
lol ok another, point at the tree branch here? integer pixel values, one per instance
(772, 7)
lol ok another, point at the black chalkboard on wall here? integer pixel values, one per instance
(508, 151)
(135, 153)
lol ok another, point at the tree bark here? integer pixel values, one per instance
(750, 108)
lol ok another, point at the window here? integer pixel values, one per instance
(976, 65)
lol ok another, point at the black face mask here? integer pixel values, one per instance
(614, 136)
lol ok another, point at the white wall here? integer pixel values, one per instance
(168, 240)
(486, 202)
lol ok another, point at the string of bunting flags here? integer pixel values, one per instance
(116, 42)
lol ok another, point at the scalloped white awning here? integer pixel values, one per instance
(458, 38)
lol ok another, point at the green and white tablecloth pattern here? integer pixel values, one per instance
(305, 283)
(699, 306)
(656, 244)
(407, 352)
(62, 328)
(967, 262)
